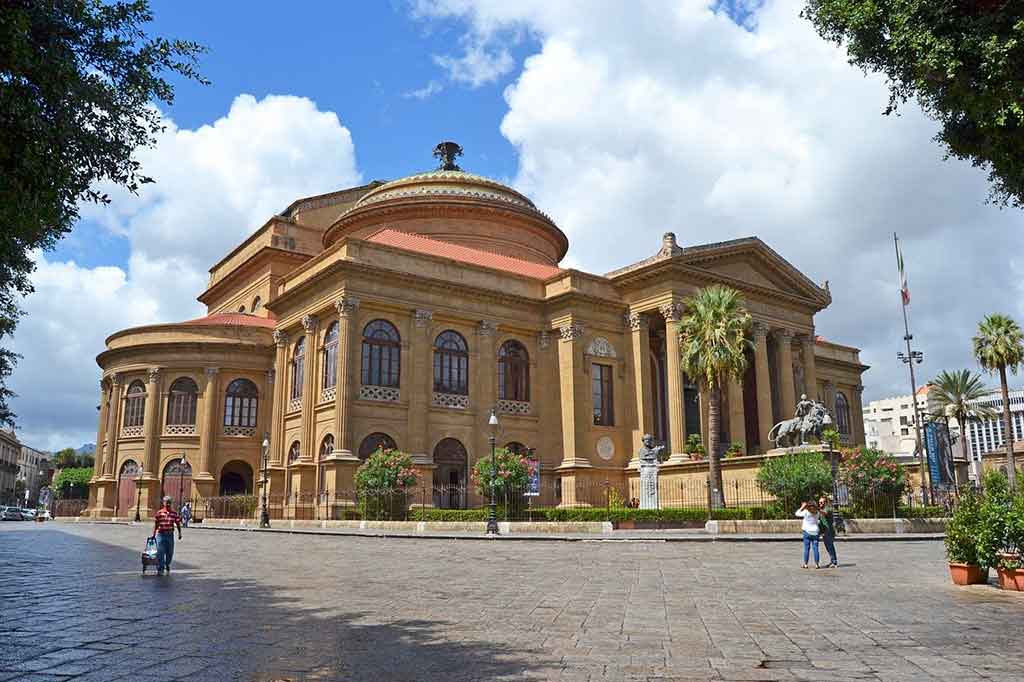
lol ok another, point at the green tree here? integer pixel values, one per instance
(86, 460)
(78, 83)
(955, 394)
(998, 346)
(65, 459)
(72, 483)
(962, 60)
(714, 333)
(795, 478)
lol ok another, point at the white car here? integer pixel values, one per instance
(44, 514)
(28, 514)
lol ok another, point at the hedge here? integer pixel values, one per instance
(596, 514)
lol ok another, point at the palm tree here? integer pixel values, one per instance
(998, 346)
(956, 394)
(714, 338)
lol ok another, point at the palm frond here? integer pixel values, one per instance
(999, 343)
(714, 336)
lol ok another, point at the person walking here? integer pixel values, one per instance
(808, 511)
(186, 514)
(827, 524)
(163, 530)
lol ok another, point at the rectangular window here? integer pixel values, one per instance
(903, 421)
(601, 385)
(904, 432)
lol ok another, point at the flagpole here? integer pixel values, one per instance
(909, 359)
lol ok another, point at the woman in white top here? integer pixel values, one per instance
(808, 511)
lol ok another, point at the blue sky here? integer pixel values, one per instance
(714, 119)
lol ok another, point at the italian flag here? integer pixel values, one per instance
(904, 288)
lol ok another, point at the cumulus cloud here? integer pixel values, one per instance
(476, 66)
(636, 118)
(214, 186)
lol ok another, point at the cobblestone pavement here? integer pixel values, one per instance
(261, 607)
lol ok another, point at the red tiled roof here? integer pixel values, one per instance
(235, 319)
(464, 254)
(924, 389)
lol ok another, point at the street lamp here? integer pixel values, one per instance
(908, 359)
(138, 495)
(492, 516)
(264, 514)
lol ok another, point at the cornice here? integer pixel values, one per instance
(267, 253)
(108, 358)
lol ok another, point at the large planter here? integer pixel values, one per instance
(1010, 578)
(968, 574)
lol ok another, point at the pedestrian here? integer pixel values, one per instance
(808, 511)
(827, 523)
(186, 514)
(163, 530)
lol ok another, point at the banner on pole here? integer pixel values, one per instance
(940, 455)
(533, 488)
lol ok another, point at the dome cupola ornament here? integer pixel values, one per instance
(447, 152)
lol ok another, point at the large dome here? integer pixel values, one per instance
(452, 205)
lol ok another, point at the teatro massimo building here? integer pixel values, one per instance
(401, 313)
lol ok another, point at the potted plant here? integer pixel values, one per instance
(693, 447)
(735, 449)
(961, 542)
(1010, 569)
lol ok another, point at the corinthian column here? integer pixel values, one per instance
(345, 388)
(764, 387)
(641, 341)
(784, 360)
(279, 399)
(673, 312)
(151, 419)
(113, 427)
(810, 369)
(309, 390)
(208, 434)
(101, 429)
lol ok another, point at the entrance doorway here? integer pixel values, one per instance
(177, 482)
(451, 460)
(126, 488)
(236, 478)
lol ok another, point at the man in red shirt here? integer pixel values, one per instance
(163, 530)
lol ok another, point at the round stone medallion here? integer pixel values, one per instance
(605, 448)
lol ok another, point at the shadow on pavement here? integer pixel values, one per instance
(77, 606)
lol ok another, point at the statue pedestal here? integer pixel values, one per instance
(810, 447)
(648, 485)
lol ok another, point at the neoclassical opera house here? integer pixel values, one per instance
(402, 313)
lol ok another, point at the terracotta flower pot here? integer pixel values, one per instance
(968, 574)
(1010, 578)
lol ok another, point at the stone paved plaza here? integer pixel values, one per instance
(256, 606)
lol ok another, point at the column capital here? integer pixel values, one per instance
(784, 335)
(760, 330)
(270, 377)
(153, 374)
(346, 306)
(544, 340)
(487, 328)
(211, 372)
(422, 318)
(117, 378)
(309, 323)
(280, 338)
(636, 321)
(672, 312)
(571, 332)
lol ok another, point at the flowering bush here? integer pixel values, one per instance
(381, 484)
(875, 480)
(792, 479)
(513, 472)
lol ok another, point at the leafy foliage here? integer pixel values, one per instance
(999, 346)
(693, 445)
(962, 529)
(875, 481)
(962, 61)
(72, 483)
(385, 470)
(992, 518)
(80, 78)
(795, 478)
(65, 458)
(512, 473)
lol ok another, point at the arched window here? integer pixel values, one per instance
(255, 304)
(241, 401)
(330, 377)
(135, 404)
(375, 442)
(327, 446)
(513, 372)
(298, 367)
(842, 414)
(382, 350)
(181, 402)
(294, 451)
(451, 363)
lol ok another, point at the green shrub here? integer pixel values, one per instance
(993, 518)
(72, 483)
(736, 449)
(962, 529)
(795, 478)
(381, 482)
(875, 482)
(693, 445)
(512, 474)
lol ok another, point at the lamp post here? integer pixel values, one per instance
(264, 514)
(492, 516)
(908, 359)
(138, 495)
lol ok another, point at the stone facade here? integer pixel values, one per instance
(405, 312)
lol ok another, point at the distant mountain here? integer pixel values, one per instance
(87, 449)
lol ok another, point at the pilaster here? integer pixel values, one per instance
(575, 398)
(764, 389)
(151, 420)
(309, 390)
(101, 429)
(641, 341)
(673, 313)
(276, 458)
(113, 427)
(737, 417)
(421, 382)
(348, 346)
(486, 386)
(208, 432)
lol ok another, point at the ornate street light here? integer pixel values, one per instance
(492, 516)
(138, 495)
(264, 514)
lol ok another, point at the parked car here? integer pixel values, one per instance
(44, 514)
(28, 514)
(10, 514)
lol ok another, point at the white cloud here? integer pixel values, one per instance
(214, 186)
(429, 90)
(476, 66)
(637, 118)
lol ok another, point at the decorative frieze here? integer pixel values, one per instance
(246, 431)
(601, 347)
(346, 306)
(571, 332)
(544, 340)
(451, 400)
(514, 407)
(379, 393)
